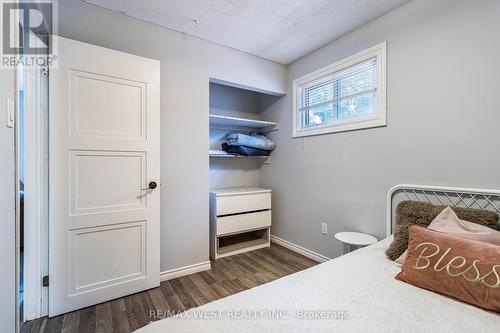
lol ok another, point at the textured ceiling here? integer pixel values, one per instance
(278, 30)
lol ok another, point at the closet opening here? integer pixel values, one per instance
(243, 130)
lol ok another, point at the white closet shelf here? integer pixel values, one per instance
(240, 122)
(239, 156)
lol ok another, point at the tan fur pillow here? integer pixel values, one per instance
(421, 213)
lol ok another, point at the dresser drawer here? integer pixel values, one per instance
(243, 203)
(242, 222)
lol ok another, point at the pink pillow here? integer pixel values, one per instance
(448, 222)
(461, 268)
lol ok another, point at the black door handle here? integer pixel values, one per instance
(151, 186)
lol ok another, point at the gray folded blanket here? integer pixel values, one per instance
(253, 140)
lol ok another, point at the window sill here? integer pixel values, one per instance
(337, 128)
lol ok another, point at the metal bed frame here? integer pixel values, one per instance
(441, 195)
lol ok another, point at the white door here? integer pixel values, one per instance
(104, 150)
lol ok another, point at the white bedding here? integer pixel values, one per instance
(361, 283)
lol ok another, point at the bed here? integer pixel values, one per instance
(356, 292)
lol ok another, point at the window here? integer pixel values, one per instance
(347, 95)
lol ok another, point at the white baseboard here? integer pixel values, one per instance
(186, 270)
(299, 249)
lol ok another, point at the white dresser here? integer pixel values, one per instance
(240, 220)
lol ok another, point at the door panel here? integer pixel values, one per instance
(106, 106)
(120, 246)
(109, 190)
(103, 151)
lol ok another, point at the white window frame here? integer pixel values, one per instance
(378, 119)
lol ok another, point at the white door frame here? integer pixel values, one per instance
(36, 193)
(36, 108)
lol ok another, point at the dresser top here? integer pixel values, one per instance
(238, 191)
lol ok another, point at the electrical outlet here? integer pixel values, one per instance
(324, 229)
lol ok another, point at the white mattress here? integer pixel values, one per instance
(361, 283)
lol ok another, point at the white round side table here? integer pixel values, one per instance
(358, 239)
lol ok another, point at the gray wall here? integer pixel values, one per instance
(187, 63)
(443, 123)
(7, 209)
(234, 102)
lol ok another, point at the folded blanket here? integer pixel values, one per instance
(245, 151)
(253, 140)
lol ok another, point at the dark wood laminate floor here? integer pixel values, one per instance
(228, 276)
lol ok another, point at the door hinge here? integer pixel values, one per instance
(45, 281)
